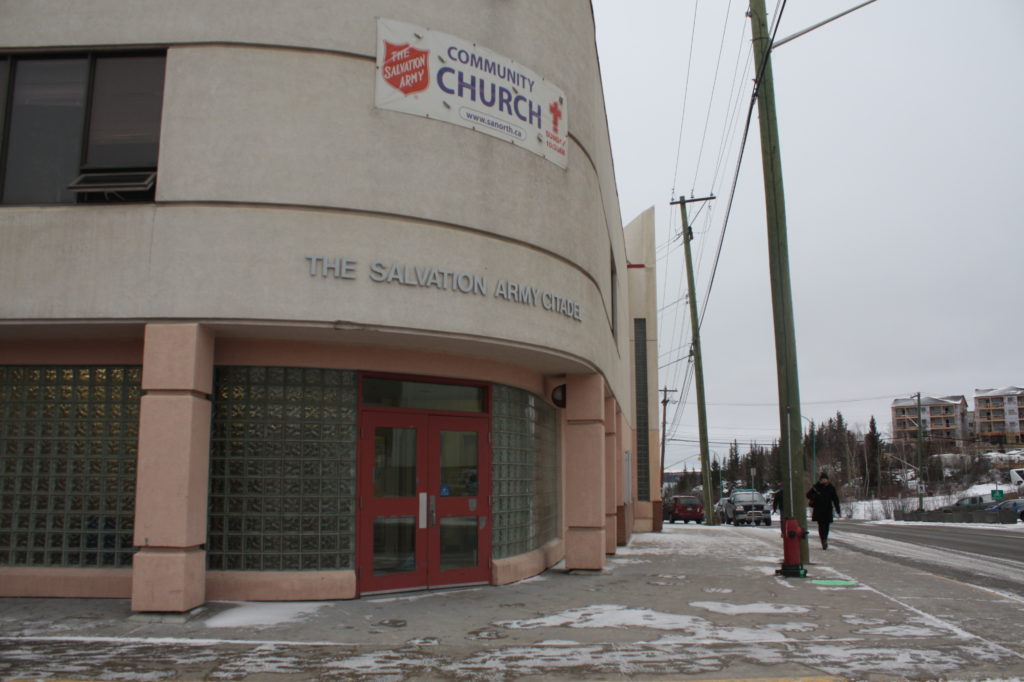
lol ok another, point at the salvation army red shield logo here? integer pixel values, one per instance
(405, 68)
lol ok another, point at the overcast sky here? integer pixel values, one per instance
(903, 163)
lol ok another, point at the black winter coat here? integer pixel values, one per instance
(824, 498)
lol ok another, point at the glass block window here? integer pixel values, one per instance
(68, 446)
(527, 472)
(643, 445)
(282, 469)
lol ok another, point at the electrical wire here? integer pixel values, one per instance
(780, 8)
(841, 401)
(686, 90)
(746, 133)
(711, 99)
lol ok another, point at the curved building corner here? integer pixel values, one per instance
(315, 303)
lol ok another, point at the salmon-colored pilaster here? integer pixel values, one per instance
(585, 472)
(168, 573)
(172, 579)
(173, 470)
(610, 476)
(622, 481)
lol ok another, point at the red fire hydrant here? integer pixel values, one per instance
(792, 534)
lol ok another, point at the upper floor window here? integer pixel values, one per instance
(80, 128)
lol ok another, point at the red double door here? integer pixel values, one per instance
(424, 489)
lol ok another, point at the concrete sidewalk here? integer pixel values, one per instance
(689, 603)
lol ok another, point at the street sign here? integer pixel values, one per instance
(997, 495)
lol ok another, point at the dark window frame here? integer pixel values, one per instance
(144, 190)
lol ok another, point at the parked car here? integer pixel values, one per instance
(683, 507)
(746, 506)
(1016, 505)
(969, 503)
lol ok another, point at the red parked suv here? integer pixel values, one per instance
(684, 507)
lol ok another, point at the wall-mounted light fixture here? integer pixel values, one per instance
(558, 395)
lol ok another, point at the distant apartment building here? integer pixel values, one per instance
(999, 414)
(943, 419)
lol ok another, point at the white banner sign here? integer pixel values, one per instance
(439, 76)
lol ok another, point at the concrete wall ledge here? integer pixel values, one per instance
(82, 583)
(522, 566)
(280, 585)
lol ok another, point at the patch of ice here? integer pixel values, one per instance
(428, 595)
(759, 607)
(264, 614)
(378, 663)
(262, 660)
(694, 628)
(604, 616)
(899, 631)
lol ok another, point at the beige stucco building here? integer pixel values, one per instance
(266, 334)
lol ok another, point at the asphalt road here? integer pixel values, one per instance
(984, 557)
(982, 542)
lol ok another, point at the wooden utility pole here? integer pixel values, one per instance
(698, 364)
(664, 421)
(778, 257)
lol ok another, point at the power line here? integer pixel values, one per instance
(677, 413)
(812, 402)
(686, 89)
(746, 134)
(711, 100)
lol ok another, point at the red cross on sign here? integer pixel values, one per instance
(556, 115)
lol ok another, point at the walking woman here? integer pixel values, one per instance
(823, 497)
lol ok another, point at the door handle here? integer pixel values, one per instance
(423, 511)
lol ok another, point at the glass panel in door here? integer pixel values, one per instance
(394, 462)
(459, 464)
(392, 543)
(460, 542)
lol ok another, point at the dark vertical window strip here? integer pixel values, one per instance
(643, 445)
(5, 80)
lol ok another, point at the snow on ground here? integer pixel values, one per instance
(264, 614)
(692, 628)
(761, 607)
(875, 510)
(678, 643)
(416, 596)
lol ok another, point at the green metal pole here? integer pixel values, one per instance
(778, 257)
(698, 366)
(814, 450)
(920, 447)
